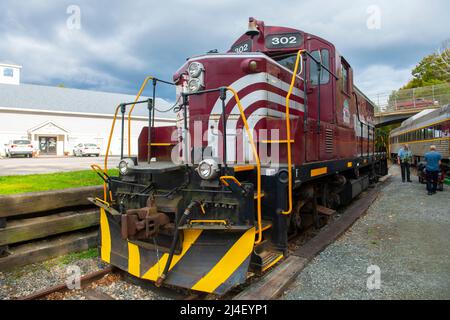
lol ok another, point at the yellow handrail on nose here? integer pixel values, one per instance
(288, 129)
(258, 162)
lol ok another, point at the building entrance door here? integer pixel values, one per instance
(47, 145)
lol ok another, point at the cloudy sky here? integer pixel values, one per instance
(120, 42)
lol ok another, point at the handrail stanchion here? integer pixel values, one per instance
(151, 108)
(144, 84)
(123, 109)
(155, 81)
(223, 96)
(258, 163)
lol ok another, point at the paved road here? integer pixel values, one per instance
(20, 166)
(406, 233)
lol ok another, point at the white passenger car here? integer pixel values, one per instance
(86, 149)
(19, 148)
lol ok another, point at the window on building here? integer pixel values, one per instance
(313, 67)
(8, 72)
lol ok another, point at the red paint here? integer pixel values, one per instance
(338, 111)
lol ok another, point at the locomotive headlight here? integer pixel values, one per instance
(195, 69)
(208, 169)
(125, 165)
(194, 85)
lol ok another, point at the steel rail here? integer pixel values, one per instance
(84, 281)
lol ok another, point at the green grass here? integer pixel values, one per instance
(71, 257)
(51, 181)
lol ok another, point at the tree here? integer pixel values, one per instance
(433, 69)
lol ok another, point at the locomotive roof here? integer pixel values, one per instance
(362, 94)
(270, 30)
(422, 119)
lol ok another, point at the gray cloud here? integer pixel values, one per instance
(122, 42)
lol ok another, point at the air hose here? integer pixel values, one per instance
(180, 222)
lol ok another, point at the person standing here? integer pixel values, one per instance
(433, 159)
(404, 160)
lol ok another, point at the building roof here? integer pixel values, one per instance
(46, 98)
(10, 64)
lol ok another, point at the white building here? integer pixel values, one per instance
(10, 73)
(56, 119)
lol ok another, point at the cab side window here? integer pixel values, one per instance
(313, 67)
(345, 77)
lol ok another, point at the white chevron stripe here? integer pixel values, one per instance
(252, 97)
(259, 95)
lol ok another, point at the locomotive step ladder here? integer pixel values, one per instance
(265, 255)
(264, 258)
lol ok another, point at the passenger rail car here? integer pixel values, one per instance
(271, 137)
(429, 127)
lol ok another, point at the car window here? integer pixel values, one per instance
(21, 142)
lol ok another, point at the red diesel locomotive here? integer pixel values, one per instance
(270, 138)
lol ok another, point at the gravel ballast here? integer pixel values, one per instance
(29, 279)
(405, 233)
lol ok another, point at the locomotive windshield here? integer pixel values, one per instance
(287, 61)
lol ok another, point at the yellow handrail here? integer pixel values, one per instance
(258, 162)
(208, 221)
(223, 180)
(288, 128)
(144, 84)
(105, 169)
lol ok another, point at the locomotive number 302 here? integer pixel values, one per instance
(284, 40)
(289, 40)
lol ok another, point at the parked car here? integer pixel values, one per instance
(86, 149)
(19, 148)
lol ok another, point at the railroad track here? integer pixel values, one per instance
(267, 286)
(90, 282)
(85, 281)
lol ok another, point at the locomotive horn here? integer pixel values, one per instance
(252, 27)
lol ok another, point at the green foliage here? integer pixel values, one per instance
(382, 137)
(431, 70)
(72, 257)
(51, 181)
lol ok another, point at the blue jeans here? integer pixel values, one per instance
(405, 171)
(432, 178)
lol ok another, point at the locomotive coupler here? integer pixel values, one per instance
(144, 223)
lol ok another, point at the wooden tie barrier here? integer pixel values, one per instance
(42, 225)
